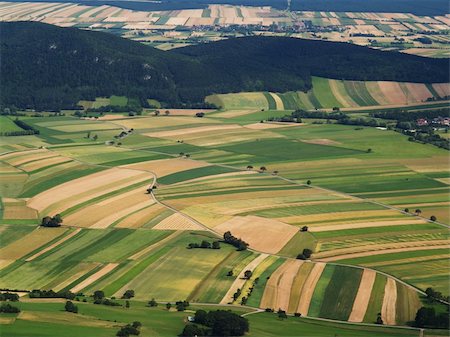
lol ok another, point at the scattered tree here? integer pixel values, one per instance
(230, 273)
(127, 304)
(152, 303)
(262, 169)
(167, 112)
(156, 112)
(216, 245)
(418, 211)
(369, 150)
(304, 229)
(249, 167)
(406, 210)
(433, 218)
(168, 306)
(181, 305)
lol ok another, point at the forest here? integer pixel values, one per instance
(53, 68)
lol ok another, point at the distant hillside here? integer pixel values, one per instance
(48, 67)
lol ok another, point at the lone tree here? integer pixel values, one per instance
(282, 314)
(418, 211)
(379, 319)
(369, 150)
(304, 229)
(168, 305)
(249, 167)
(167, 112)
(128, 294)
(433, 218)
(308, 182)
(152, 303)
(406, 210)
(230, 273)
(156, 113)
(248, 274)
(263, 169)
(70, 307)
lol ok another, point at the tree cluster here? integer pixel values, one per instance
(306, 254)
(130, 329)
(205, 244)
(116, 108)
(181, 305)
(234, 241)
(54, 221)
(428, 318)
(433, 295)
(216, 323)
(9, 309)
(9, 297)
(36, 293)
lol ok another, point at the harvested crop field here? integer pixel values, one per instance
(177, 222)
(278, 289)
(164, 167)
(363, 296)
(309, 287)
(388, 310)
(265, 235)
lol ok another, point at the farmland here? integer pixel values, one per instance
(131, 211)
(328, 93)
(423, 35)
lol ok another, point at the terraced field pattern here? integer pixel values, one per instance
(131, 208)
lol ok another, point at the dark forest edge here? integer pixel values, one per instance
(46, 67)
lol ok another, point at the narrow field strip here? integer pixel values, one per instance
(240, 280)
(154, 246)
(285, 285)
(363, 296)
(385, 251)
(309, 286)
(102, 272)
(388, 309)
(384, 246)
(109, 220)
(56, 244)
(325, 228)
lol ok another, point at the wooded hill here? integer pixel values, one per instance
(48, 67)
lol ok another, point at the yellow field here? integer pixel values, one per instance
(265, 235)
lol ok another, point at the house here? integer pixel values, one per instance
(422, 122)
